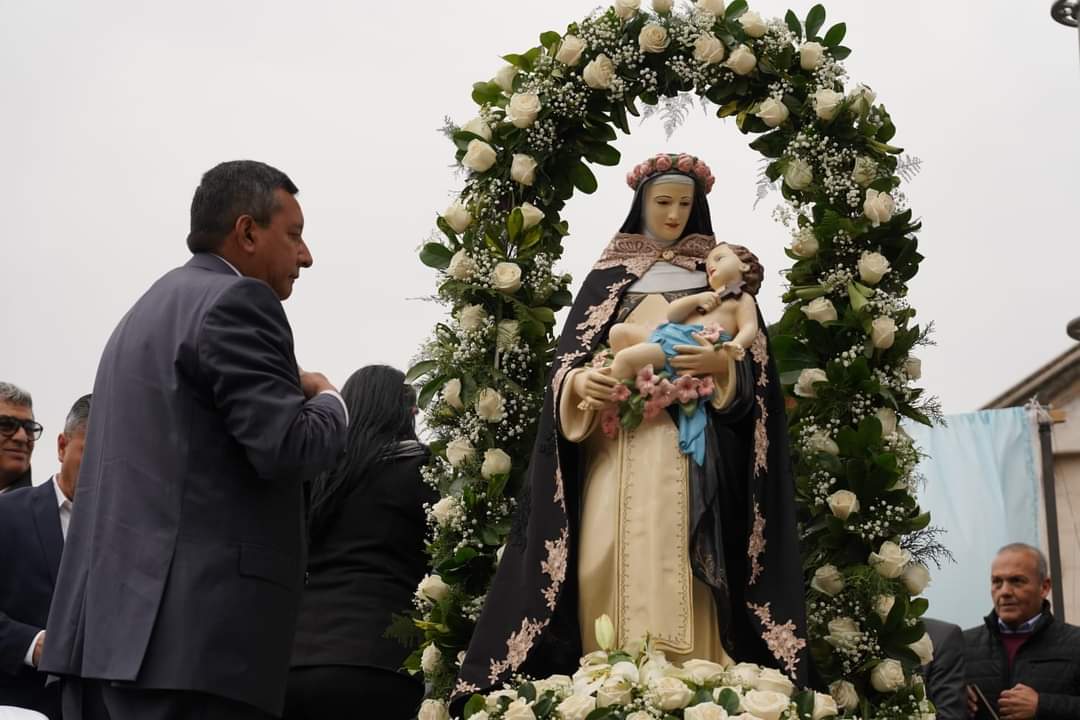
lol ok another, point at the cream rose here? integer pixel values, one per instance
(478, 126)
(861, 100)
(523, 109)
(490, 406)
(504, 78)
(433, 710)
(890, 560)
(457, 217)
(627, 9)
(842, 503)
(570, 50)
(459, 451)
(519, 710)
(627, 671)
(775, 681)
(765, 704)
(824, 706)
(804, 387)
(709, 49)
(496, 462)
(653, 38)
(820, 309)
(805, 244)
(663, 7)
(430, 659)
(742, 60)
(810, 55)
(432, 588)
(878, 207)
(452, 393)
(744, 674)
(558, 683)
(599, 73)
(821, 442)
(639, 715)
(883, 332)
(773, 112)
(523, 169)
(461, 267)
(915, 578)
(716, 7)
(798, 174)
(576, 707)
(887, 418)
(883, 605)
(492, 704)
(507, 333)
(479, 156)
(446, 510)
(827, 579)
(844, 634)
(865, 171)
(472, 318)
(530, 215)
(826, 103)
(753, 25)
(913, 367)
(672, 693)
(705, 711)
(845, 694)
(872, 267)
(704, 672)
(506, 277)
(614, 691)
(924, 648)
(887, 676)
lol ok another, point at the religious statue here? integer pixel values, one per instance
(689, 540)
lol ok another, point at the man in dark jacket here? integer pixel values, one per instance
(945, 673)
(1023, 661)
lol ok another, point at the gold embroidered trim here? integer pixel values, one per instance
(517, 648)
(761, 439)
(760, 351)
(555, 566)
(598, 315)
(756, 545)
(781, 639)
(638, 253)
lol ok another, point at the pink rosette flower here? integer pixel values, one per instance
(686, 389)
(685, 163)
(707, 387)
(709, 183)
(653, 408)
(609, 422)
(663, 163)
(620, 393)
(645, 382)
(665, 392)
(711, 332)
(631, 179)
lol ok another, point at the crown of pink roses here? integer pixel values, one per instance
(665, 163)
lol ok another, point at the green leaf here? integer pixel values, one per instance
(835, 35)
(485, 93)
(618, 117)
(550, 38)
(729, 700)
(814, 20)
(544, 314)
(735, 10)
(420, 369)
(527, 691)
(583, 178)
(839, 52)
(602, 154)
(514, 224)
(531, 237)
(436, 256)
(476, 704)
(430, 388)
(793, 24)
(791, 354)
(804, 704)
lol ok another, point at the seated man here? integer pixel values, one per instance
(33, 525)
(18, 431)
(1023, 661)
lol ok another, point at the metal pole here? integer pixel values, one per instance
(1046, 427)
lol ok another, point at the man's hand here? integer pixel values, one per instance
(38, 647)
(313, 383)
(1018, 703)
(972, 701)
(700, 360)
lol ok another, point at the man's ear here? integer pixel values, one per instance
(243, 229)
(61, 445)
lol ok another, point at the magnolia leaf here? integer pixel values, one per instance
(814, 20)
(793, 24)
(835, 35)
(420, 369)
(735, 10)
(436, 256)
(583, 178)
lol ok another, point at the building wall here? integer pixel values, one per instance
(1066, 444)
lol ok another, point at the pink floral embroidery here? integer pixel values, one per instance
(760, 350)
(598, 315)
(761, 439)
(637, 253)
(518, 646)
(756, 544)
(465, 688)
(560, 496)
(781, 639)
(555, 566)
(566, 363)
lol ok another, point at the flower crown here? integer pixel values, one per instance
(665, 163)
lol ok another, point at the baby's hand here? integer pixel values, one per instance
(737, 351)
(707, 301)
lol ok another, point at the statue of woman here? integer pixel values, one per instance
(702, 557)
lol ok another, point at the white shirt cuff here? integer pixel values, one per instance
(344, 407)
(29, 659)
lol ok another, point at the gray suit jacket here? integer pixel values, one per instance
(944, 674)
(184, 561)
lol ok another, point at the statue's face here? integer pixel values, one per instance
(667, 209)
(723, 266)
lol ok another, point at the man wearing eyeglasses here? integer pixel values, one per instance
(18, 431)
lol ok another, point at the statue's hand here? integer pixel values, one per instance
(700, 360)
(707, 301)
(737, 351)
(594, 388)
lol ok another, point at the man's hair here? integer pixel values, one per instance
(229, 190)
(1041, 566)
(14, 395)
(78, 416)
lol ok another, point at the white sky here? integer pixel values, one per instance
(112, 110)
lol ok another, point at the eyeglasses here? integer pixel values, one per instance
(9, 425)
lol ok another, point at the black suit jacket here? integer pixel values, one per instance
(30, 546)
(184, 561)
(945, 673)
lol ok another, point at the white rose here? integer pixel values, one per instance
(753, 25)
(915, 578)
(775, 681)
(570, 50)
(804, 386)
(655, 667)
(496, 462)
(890, 560)
(887, 418)
(490, 406)
(492, 703)
(865, 171)
(599, 73)
(519, 710)
(826, 103)
(844, 634)
(672, 693)
(461, 267)
(744, 674)
(773, 112)
(824, 706)
(498, 557)
(614, 691)
(445, 511)
(472, 318)
(457, 216)
(845, 694)
(878, 207)
(704, 672)
(480, 714)
(821, 442)
(887, 676)
(705, 711)
(716, 7)
(798, 174)
(883, 605)
(507, 333)
(810, 55)
(842, 503)
(639, 715)
(883, 332)
(805, 244)
(530, 215)
(709, 49)
(506, 277)
(432, 588)
(505, 78)
(662, 7)
(452, 393)
(459, 451)
(861, 100)
(433, 710)
(820, 309)
(827, 579)
(558, 683)
(924, 648)
(523, 169)
(430, 659)
(653, 38)
(742, 60)
(627, 9)
(627, 671)
(872, 266)
(765, 704)
(913, 367)
(479, 156)
(523, 109)
(576, 707)
(478, 126)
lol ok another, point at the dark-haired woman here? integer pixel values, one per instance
(365, 558)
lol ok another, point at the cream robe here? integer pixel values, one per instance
(633, 557)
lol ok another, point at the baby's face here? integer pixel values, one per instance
(723, 267)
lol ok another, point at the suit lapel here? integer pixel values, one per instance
(47, 520)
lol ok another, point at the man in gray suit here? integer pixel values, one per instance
(179, 585)
(944, 675)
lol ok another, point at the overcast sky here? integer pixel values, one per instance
(112, 110)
